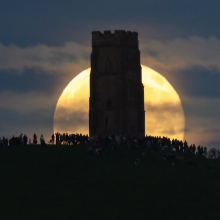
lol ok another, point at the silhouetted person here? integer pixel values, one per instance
(201, 150)
(3, 141)
(67, 138)
(6, 142)
(42, 142)
(185, 146)
(198, 149)
(52, 138)
(25, 139)
(64, 138)
(21, 138)
(57, 138)
(35, 139)
(12, 140)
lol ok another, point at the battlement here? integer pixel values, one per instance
(118, 38)
(116, 34)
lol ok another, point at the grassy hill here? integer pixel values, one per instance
(68, 183)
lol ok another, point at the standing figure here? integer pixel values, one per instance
(199, 149)
(67, 138)
(42, 142)
(52, 138)
(3, 142)
(57, 138)
(194, 148)
(25, 140)
(21, 138)
(6, 142)
(35, 139)
(205, 150)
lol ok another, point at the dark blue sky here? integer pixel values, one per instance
(44, 44)
(54, 22)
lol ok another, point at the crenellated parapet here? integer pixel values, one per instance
(118, 38)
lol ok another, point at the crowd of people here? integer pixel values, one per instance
(21, 140)
(98, 144)
(69, 139)
(4, 142)
(143, 144)
(57, 138)
(101, 144)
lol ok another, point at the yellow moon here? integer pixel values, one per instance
(164, 114)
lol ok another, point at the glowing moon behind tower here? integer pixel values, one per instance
(164, 114)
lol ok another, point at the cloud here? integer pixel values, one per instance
(168, 55)
(71, 121)
(172, 131)
(164, 107)
(27, 102)
(165, 119)
(37, 121)
(32, 80)
(202, 120)
(213, 144)
(205, 107)
(66, 59)
(27, 113)
(198, 82)
(182, 53)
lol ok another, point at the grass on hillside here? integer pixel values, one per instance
(68, 183)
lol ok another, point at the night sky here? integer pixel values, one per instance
(44, 44)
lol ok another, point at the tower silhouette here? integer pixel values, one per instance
(116, 91)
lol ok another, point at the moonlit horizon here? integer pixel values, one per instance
(164, 114)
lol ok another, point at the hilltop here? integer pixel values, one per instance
(67, 183)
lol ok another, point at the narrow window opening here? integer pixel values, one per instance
(106, 121)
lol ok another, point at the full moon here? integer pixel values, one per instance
(164, 114)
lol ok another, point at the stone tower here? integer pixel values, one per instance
(116, 91)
